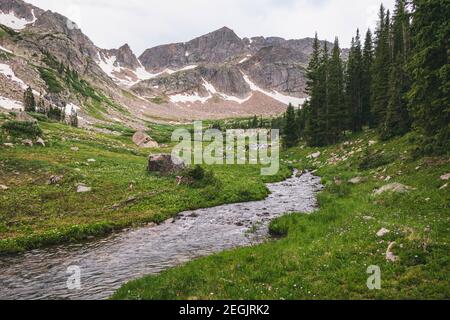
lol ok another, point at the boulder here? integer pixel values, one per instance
(393, 187)
(9, 145)
(82, 188)
(390, 256)
(3, 187)
(40, 142)
(25, 117)
(27, 142)
(165, 164)
(143, 140)
(382, 232)
(356, 180)
(54, 180)
(314, 155)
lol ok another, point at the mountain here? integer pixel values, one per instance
(217, 75)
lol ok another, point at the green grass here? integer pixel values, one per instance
(34, 214)
(325, 255)
(53, 85)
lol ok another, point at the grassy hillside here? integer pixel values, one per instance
(326, 255)
(34, 213)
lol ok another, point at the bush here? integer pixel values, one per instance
(22, 129)
(198, 177)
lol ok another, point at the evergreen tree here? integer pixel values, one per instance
(28, 100)
(381, 70)
(430, 69)
(336, 99)
(366, 78)
(397, 121)
(313, 107)
(290, 133)
(354, 85)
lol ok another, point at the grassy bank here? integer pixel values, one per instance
(326, 255)
(34, 213)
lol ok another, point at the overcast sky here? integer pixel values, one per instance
(147, 23)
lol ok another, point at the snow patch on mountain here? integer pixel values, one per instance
(10, 20)
(10, 104)
(69, 107)
(296, 102)
(9, 73)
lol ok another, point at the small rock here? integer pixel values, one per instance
(388, 178)
(40, 142)
(82, 188)
(27, 142)
(356, 180)
(75, 149)
(445, 177)
(368, 218)
(9, 145)
(382, 232)
(445, 186)
(390, 256)
(3, 187)
(54, 180)
(393, 187)
(314, 155)
(91, 160)
(372, 142)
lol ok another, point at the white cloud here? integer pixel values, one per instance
(147, 23)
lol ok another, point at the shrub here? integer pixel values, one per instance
(52, 83)
(22, 129)
(198, 177)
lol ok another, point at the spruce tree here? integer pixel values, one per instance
(397, 121)
(354, 85)
(336, 100)
(313, 107)
(381, 70)
(430, 69)
(29, 102)
(366, 78)
(290, 135)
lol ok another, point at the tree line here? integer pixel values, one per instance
(395, 81)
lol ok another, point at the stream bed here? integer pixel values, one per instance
(107, 264)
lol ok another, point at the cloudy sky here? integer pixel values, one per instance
(147, 23)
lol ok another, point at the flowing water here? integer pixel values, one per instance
(107, 264)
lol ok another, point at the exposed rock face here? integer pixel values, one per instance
(124, 57)
(165, 164)
(143, 140)
(393, 187)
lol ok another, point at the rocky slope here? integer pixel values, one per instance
(213, 76)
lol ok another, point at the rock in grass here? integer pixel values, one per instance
(54, 180)
(75, 149)
(27, 142)
(390, 256)
(382, 232)
(393, 187)
(82, 188)
(314, 155)
(3, 187)
(143, 140)
(40, 142)
(445, 186)
(91, 160)
(165, 164)
(356, 180)
(445, 177)
(9, 145)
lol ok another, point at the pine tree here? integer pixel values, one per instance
(28, 100)
(354, 85)
(366, 78)
(397, 121)
(313, 108)
(290, 133)
(336, 99)
(381, 70)
(430, 69)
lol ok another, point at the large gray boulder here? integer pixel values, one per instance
(143, 140)
(393, 188)
(165, 164)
